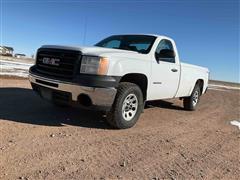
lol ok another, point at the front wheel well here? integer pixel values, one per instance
(138, 79)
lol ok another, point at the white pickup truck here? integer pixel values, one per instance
(117, 75)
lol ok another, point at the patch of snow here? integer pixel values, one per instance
(16, 62)
(18, 74)
(223, 86)
(13, 68)
(235, 123)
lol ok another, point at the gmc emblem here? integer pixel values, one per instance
(51, 61)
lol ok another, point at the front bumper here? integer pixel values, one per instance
(99, 96)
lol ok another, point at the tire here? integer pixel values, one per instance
(127, 106)
(190, 103)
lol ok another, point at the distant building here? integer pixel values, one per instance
(6, 51)
(20, 55)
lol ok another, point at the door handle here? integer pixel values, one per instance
(174, 70)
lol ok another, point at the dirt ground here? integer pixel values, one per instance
(40, 141)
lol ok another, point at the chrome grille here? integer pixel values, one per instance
(67, 62)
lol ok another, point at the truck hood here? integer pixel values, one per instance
(94, 51)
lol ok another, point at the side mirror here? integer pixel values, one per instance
(165, 53)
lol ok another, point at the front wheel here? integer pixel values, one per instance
(190, 103)
(127, 106)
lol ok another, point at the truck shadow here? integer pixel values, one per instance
(24, 106)
(163, 104)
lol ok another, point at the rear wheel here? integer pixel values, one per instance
(190, 103)
(127, 106)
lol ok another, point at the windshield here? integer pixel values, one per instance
(138, 43)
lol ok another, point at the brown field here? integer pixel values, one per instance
(224, 83)
(40, 141)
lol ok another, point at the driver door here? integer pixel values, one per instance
(165, 71)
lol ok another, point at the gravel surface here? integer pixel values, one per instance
(40, 141)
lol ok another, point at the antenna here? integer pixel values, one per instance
(85, 30)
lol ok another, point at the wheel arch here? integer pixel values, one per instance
(139, 79)
(200, 82)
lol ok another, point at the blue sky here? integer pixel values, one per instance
(206, 32)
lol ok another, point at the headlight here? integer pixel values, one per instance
(94, 65)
